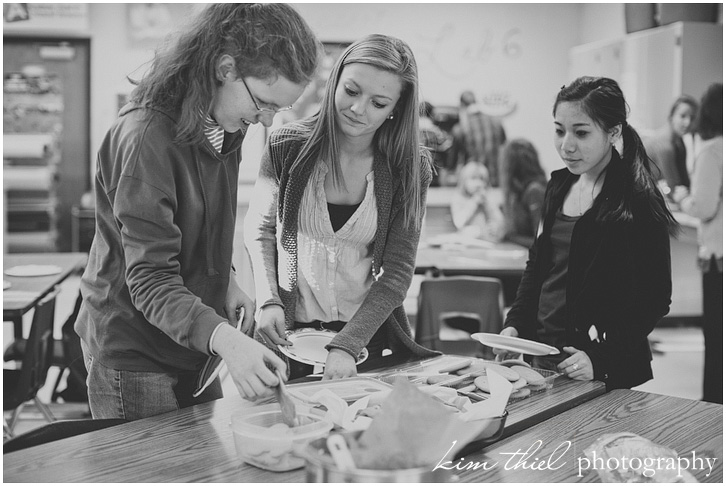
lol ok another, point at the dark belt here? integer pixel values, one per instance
(331, 326)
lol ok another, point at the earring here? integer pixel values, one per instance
(390, 117)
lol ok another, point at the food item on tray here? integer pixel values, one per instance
(482, 383)
(434, 379)
(521, 393)
(630, 458)
(519, 384)
(456, 366)
(507, 373)
(530, 375)
(513, 362)
(472, 368)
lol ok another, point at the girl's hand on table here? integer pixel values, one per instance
(339, 364)
(578, 366)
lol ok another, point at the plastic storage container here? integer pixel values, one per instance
(263, 440)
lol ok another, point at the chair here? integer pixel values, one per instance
(58, 430)
(22, 385)
(67, 354)
(439, 299)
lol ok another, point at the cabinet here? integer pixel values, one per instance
(45, 139)
(30, 182)
(655, 66)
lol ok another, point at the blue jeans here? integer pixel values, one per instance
(133, 395)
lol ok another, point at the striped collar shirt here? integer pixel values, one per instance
(213, 132)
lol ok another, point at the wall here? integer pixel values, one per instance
(514, 50)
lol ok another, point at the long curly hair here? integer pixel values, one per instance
(397, 138)
(265, 40)
(603, 101)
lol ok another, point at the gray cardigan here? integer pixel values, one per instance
(271, 239)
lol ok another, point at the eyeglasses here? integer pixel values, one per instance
(262, 109)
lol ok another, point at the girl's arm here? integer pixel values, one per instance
(260, 230)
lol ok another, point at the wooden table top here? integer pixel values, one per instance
(451, 260)
(196, 444)
(687, 426)
(25, 292)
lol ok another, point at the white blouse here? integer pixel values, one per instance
(334, 268)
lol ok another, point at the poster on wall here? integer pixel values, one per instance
(45, 17)
(32, 101)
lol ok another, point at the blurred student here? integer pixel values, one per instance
(334, 222)
(598, 277)
(477, 136)
(159, 291)
(667, 148)
(436, 140)
(705, 202)
(524, 190)
(473, 209)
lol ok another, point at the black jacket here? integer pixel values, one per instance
(619, 280)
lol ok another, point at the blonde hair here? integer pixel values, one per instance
(397, 138)
(471, 170)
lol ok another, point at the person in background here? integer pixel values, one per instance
(436, 140)
(598, 277)
(473, 209)
(705, 202)
(334, 222)
(667, 147)
(524, 184)
(159, 291)
(477, 136)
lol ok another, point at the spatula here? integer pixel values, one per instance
(286, 403)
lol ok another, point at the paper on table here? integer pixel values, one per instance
(495, 405)
(340, 413)
(412, 430)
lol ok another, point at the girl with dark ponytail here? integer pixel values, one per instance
(598, 276)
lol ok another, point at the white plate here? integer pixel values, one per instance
(514, 344)
(33, 270)
(308, 346)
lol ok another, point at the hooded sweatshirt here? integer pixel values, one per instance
(159, 266)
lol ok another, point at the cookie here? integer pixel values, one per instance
(532, 377)
(482, 383)
(456, 366)
(507, 373)
(521, 393)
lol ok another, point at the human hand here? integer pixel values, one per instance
(271, 325)
(502, 354)
(339, 364)
(578, 366)
(247, 362)
(237, 299)
(679, 194)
